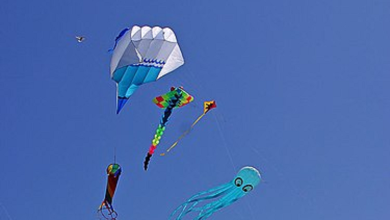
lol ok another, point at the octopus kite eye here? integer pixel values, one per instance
(238, 182)
(247, 188)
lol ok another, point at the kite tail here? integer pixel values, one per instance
(174, 102)
(152, 149)
(183, 135)
(147, 159)
(159, 132)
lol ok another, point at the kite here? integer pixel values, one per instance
(207, 106)
(80, 39)
(176, 98)
(246, 180)
(141, 55)
(113, 172)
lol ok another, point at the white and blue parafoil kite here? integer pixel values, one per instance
(142, 55)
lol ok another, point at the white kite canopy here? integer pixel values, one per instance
(142, 55)
(145, 43)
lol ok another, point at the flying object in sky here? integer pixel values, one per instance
(176, 98)
(141, 55)
(207, 202)
(80, 39)
(105, 209)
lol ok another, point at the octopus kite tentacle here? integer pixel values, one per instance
(217, 205)
(214, 206)
(209, 194)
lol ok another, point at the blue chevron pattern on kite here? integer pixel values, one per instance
(129, 78)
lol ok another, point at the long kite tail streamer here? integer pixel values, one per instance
(207, 107)
(176, 98)
(105, 209)
(159, 132)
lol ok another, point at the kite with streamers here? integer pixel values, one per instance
(105, 209)
(141, 55)
(207, 202)
(207, 106)
(176, 98)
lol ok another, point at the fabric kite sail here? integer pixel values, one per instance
(207, 106)
(105, 209)
(176, 98)
(142, 55)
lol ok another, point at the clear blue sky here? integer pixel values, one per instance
(302, 89)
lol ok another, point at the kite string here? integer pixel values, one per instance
(230, 157)
(6, 211)
(183, 135)
(200, 87)
(115, 155)
(191, 80)
(282, 177)
(224, 143)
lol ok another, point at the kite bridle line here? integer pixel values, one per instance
(115, 155)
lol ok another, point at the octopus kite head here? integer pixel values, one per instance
(247, 179)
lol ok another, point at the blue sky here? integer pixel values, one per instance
(302, 92)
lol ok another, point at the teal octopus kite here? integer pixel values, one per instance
(245, 181)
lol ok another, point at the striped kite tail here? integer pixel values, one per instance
(149, 155)
(155, 142)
